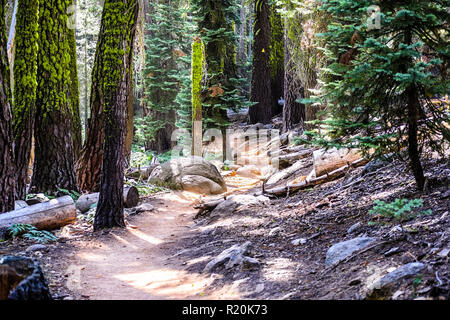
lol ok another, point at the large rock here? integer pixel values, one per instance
(383, 287)
(191, 174)
(22, 279)
(199, 184)
(342, 250)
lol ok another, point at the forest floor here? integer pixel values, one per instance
(162, 253)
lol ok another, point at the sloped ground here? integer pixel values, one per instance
(162, 253)
(322, 217)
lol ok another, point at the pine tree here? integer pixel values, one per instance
(54, 156)
(25, 70)
(381, 77)
(223, 88)
(276, 57)
(116, 52)
(261, 89)
(6, 132)
(74, 95)
(166, 42)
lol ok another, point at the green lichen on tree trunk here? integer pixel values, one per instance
(6, 132)
(25, 70)
(54, 158)
(197, 75)
(116, 51)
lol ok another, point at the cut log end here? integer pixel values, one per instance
(130, 197)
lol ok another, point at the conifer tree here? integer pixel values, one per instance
(115, 66)
(261, 89)
(166, 42)
(223, 87)
(6, 132)
(25, 70)
(54, 155)
(384, 71)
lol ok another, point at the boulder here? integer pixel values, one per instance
(199, 184)
(342, 250)
(191, 173)
(383, 287)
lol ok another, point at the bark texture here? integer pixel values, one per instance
(54, 156)
(261, 90)
(6, 132)
(25, 69)
(119, 22)
(293, 112)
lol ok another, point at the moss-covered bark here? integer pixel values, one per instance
(197, 75)
(54, 158)
(25, 70)
(6, 132)
(118, 24)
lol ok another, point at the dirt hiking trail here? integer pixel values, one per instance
(139, 262)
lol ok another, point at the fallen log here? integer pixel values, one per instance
(310, 181)
(130, 199)
(326, 161)
(48, 215)
(289, 159)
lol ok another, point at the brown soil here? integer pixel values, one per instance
(161, 254)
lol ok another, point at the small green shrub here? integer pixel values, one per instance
(30, 232)
(399, 209)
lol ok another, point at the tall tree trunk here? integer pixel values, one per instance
(6, 132)
(277, 52)
(25, 69)
(74, 94)
(293, 112)
(54, 158)
(89, 164)
(261, 91)
(119, 22)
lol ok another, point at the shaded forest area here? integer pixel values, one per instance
(262, 149)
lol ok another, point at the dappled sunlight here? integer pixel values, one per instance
(125, 242)
(141, 235)
(176, 284)
(280, 269)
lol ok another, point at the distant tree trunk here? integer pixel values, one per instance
(197, 75)
(277, 53)
(129, 122)
(242, 44)
(293, 112)
(6, 132)
(89, 164)
(74, 94)
(25, 69)
(54, 157)
(118, 22)
(261, 91)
